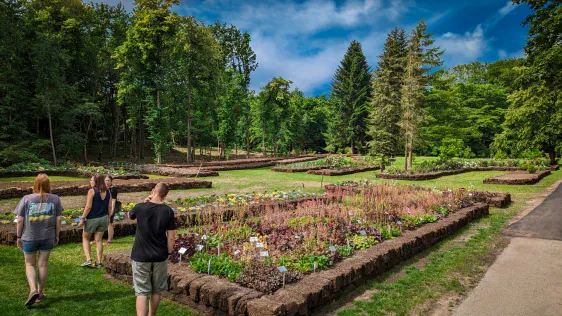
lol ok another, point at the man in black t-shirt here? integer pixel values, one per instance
(154, 242)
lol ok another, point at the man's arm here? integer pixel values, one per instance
(171, 234)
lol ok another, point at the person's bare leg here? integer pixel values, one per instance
(154, 302)
(30, 264)
(110, 232)
(99, 246)
(86, 244)
(43, 264)
(141, 305)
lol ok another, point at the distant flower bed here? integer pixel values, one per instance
(229, 200)
(69, 217)
(334, 163)
(35, 167)
(254, 251)
(530, 165)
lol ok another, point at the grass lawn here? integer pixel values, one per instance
(73, 290)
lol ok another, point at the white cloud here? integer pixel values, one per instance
(463, 48)
(502, 54)
(508, 7)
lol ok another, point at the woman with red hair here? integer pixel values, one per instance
(38, 229)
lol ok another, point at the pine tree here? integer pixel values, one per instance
(385, 115)
(351, 92)
(421, 59)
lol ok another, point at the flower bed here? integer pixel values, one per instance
(10, 190)
(213, 295)
(438, 168)
(339, 165)
(345, 188)
(179, 172)
(311, 237)
(518, 178)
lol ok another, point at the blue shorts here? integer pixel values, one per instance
(33, 246)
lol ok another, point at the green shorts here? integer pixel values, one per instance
(96, 225)
(150, 277)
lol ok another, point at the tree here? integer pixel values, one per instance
(385, 105)
(540, 85)
(350, 95)
(422, 58)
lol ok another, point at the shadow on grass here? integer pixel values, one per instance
(84, 298)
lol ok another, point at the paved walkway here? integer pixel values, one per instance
(526, 279)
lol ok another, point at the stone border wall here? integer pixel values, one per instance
(291, 170)
(531, 179)
(66, 173)
(341, 172)
(181, 172)
(82, 189)
(439, 174)
(216, 296)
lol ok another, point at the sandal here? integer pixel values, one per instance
(32, 298)
(98, 265)
(41, 298)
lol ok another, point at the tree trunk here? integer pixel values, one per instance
(352, 147)
(51, 137)
(247, 142)
(113, 105)
(406, 153)
(263, 139)
(86, 142)
(159, 154)
(141, 137)
(189, 157)
(552, 156)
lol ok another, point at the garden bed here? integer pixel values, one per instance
(439, 174)
(213, 295)
(180, 172)
(299, 169)
(68, 173)
(9, 190)
(518, 178)
(341, 172)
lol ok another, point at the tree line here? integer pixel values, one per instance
(79, 78)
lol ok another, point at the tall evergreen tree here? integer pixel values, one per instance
(385, 115)
(422, 58)
(351, 92)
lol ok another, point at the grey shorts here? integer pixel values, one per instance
(150, 277)
(96, 225)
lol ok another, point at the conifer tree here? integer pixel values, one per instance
(351, 92)
(385, 114)
(421, 59)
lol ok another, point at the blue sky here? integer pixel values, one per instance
(304, 41)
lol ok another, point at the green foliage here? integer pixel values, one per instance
(220, 265)
(454, 148)
(361, 242)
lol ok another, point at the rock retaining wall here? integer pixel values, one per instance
(216, 296)
(341, 172)
(517, 178)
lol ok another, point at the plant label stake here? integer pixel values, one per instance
(76, 220)
(297, 237)
(204, 237)
(283, 270)
(264, 253)
(62, 223)
(259, 245)
(332, 248)
(399, 224)
(209, 267)
(199, 247)
(253, 239)
(236, 252)
(389, 231)
(315, 266)
(182, 252)
(122, 213)
(219, 249)
(348, 243)
(363, 233)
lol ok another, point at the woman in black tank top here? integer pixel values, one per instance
(95, 218)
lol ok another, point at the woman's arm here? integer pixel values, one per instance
(88, 208)
(19, 231)
(59, 218)
(111, 206)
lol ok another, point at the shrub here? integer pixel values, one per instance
(454, 148)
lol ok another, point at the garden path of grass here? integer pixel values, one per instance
(73, 290)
